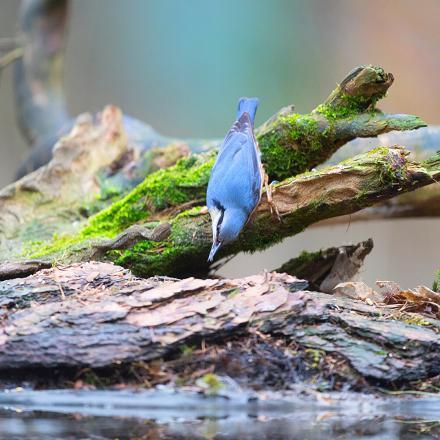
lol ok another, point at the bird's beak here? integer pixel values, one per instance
(215, 247)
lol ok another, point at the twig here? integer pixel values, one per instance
(413, 392)
(11, 56)
(63, 296)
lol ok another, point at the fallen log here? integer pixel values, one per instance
(99, 315)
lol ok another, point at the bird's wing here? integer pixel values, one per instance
(236, 175)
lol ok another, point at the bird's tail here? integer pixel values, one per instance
(248, 105)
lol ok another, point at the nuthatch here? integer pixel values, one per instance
(236, 182)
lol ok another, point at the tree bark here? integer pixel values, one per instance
(326, 268)
(422, 203)
(98, 315)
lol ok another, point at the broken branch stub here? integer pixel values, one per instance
(326, 268)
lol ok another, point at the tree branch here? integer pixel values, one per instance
(422, 203)
(326, 268)
(305, 141)
(10, 57)
(306, 199)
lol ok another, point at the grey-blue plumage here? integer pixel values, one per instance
(234, 188)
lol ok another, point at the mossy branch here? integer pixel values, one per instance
(291, 143)
(303, 200)
(425, 202)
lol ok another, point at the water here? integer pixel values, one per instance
(165, 414)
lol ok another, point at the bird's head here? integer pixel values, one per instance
(227, 224)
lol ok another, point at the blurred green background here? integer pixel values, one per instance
(180, 65)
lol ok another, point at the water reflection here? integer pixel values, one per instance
(155, 415)
(37, 425)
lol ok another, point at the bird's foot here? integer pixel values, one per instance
(270, 189)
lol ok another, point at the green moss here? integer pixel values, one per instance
(415, 320)
(173, 186)
(410, 319)
(296, 266)
(185, 181)
(316, 355)
(171, 256)
(213, 382)
(193, 212)
(436, 284)
(308, 257)
(348, 106)
(287, 147)
(187, 350)
(58, 244)
(381, 353)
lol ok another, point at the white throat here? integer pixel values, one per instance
(215, 217)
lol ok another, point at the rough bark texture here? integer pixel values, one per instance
(422, 203)
(99, 315)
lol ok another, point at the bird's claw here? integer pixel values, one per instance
(269, 191)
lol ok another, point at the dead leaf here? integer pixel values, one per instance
(357, 290)
(427, 293)
(176, 310)
(421, 299)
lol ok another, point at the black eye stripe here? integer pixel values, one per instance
(218, 205)
(220, 220)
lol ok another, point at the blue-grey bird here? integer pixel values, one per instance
(235, 185)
